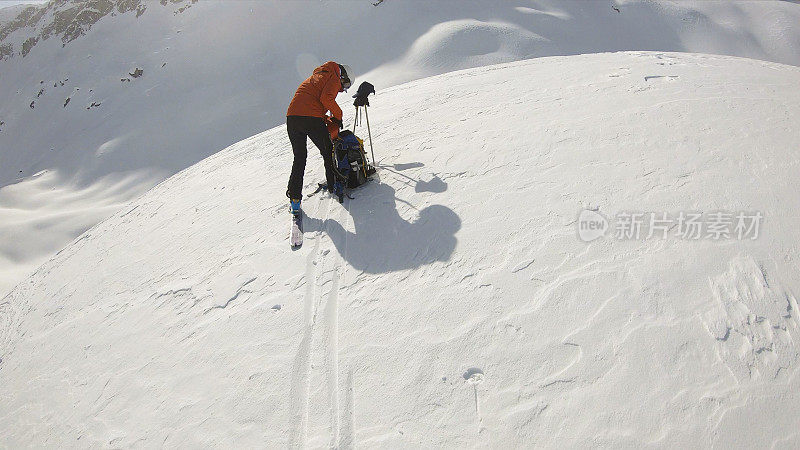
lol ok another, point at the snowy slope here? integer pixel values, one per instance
(451, 303)
(218, 72)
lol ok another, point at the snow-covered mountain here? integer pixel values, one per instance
(102, 99)
(451, 303)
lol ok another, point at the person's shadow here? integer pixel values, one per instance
(383, 240)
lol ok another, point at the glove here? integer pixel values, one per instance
(333, 130)
(338, 122)
(361, 96)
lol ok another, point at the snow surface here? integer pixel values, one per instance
(219, 72)
(451, 302)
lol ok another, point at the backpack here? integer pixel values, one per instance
(350, 160)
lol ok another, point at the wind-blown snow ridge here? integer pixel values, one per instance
(450, 303)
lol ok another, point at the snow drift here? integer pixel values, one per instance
(451, 303)
(216, 72)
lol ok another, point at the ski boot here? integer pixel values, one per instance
(338, 191)
(294, 206)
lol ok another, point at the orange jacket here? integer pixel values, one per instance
(317, 94)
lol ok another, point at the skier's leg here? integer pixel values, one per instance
(297, 137)
(319, 135)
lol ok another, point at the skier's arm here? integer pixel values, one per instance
(328, 99)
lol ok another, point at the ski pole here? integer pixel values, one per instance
(369, 132)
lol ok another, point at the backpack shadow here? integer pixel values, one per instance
(435, 185)
(384, 241)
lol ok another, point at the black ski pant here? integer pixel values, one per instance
(299, 128)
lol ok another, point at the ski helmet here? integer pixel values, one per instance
(345, 76)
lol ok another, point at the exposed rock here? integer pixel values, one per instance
(6, 51)
(28, 17)
(136, 73)
(28, 45)
(67, 102)
(183, 8)
(124, 6)
(71, 19)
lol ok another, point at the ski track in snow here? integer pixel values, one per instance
(323, 271)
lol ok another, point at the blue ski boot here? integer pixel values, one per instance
(294, 206)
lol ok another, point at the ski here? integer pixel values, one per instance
(296, 233)
(320, 188)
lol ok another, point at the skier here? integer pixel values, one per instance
(307, 118)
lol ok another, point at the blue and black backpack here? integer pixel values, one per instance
(350, 160)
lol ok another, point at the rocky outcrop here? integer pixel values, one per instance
(68, 20)
(28, 45)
